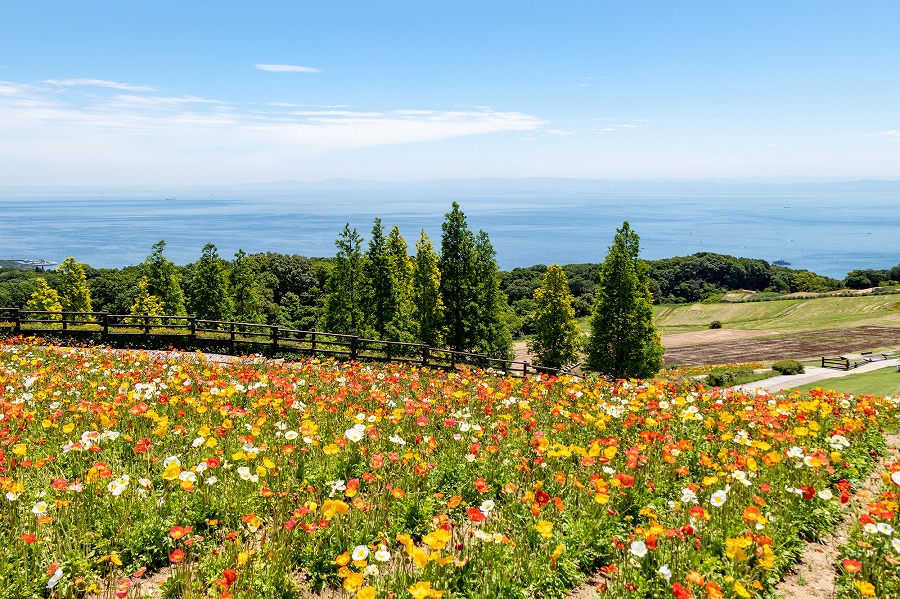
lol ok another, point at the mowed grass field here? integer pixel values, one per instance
(783, 316)
(884, 382)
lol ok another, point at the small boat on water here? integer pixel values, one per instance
(781, 262)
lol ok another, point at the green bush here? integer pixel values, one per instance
(721, 377)
(788, 367)
(716, 324)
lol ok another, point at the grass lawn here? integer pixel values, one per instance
(783, 315)
(883, 383)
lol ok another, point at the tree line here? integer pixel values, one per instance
(450, 298)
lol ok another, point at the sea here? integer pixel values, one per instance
(829, 232)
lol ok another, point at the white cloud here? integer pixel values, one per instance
(126, 137)
(99, 83)
(893, 134)
(285, 68)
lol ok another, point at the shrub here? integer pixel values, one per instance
(727, 377)
(788, 367)
(716, 324)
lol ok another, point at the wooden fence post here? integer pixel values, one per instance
(192, 320)
(354, 347)
(65, 322)
(425, 350)
(274, 337)
(17, 324)
(313, 340)
(105, 324)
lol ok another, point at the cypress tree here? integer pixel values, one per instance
(146, 304)
(382, 299)
(209, 287)
(163, 280)
(345, 287)
(426, 293)
(556, 340)
(242, 282)
(457, 295)
(401, 273)
(624, 341)
(74, 294)
(486, 321)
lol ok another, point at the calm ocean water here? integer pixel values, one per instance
(828, 233)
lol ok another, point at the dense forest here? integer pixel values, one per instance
(382, 289)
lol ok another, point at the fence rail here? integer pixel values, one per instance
(190, 332)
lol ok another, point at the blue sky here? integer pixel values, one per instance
(213, 93)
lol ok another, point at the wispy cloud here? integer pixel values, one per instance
(285, 68)
(120, 134)
(893, 134)
(99, 83)
(561, 132)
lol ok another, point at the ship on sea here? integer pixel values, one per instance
(781, 262)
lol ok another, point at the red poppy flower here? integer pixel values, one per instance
(176, 556)
(851, 565)
(475, 514)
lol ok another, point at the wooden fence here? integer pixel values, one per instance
(240, 338)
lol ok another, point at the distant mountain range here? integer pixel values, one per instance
(535, 185)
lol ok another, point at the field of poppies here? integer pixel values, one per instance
(264, 479)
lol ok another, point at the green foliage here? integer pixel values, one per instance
(788, 367)
(209, 287)
(474, 305)
(74, 294)
(113, 290)
(426, 293)
(163, 280)
(44, 299)
(242, 283)
(146, 303)
(346, 286)
(716, 324)
(557, 340)
(488, 322)
(624, 341)
(457, 295)
(402, 274)
(727, 377)
(382, 297)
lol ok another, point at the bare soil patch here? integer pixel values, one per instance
(791, 345)
(710, 336)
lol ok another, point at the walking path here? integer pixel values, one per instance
(812, 375)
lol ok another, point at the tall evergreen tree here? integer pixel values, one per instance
(146, 304)
(457, 294)
(242, 283)
(402, 272)
(382, 300)
(624, 342)
(345, 287)
(163, 280)
(209, 287)
(556, 340)
(45, 299)
(486, 321)
(74, 294)
(426, 293)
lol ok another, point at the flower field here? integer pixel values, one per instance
(871, 560)
(281, 479)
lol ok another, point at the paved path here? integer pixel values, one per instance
(812, 375)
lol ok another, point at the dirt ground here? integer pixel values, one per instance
(725, 347)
